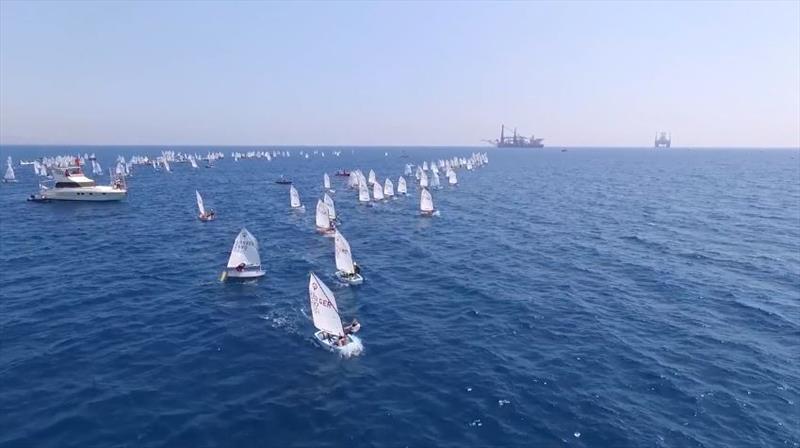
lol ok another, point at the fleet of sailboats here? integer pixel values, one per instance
(244, 261)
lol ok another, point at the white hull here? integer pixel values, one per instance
(330, 344)
(94, 194)
(355, 279)
(245, 274)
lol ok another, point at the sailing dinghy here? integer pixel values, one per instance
(205, 215)
(326, 183)
(363, 193)
(401, 186)
(388, 188)
(244, 262)
(9, 176)
(348, 271)
(331, 335)
(331, 207)
(323, 220)
(426, 203)
(377, 191)
(294, 198)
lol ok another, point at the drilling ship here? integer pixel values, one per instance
(516, 141)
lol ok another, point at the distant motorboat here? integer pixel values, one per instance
(343, 173)
(283, 181)
(71, 184)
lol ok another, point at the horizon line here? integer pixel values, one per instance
(362, 146)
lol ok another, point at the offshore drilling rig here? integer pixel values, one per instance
(662, 140)
(516, 141)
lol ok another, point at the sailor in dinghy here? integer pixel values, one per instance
(205, 215)
(348, 271)
(245, 261)
(331, 335)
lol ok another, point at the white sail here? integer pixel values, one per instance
(434, 179)
(294, 197)
(344, 258)
(452, 178)
(363, 192)
(425, 201)
(407, 170)
(323, 219)
(401, 185)
(388, 188)
(166, 165)
(331, 206)
(377, 191)
(424, 166)
(9, 176)
(193, 162)
(245, 250)
(326, 181)
(200, 205)
(323, 307)
(423, 179)
(371, 178)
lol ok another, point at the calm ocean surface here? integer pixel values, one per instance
(592, 298)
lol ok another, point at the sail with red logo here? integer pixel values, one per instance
(331, 335)
(323, 307)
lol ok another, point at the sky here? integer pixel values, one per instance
(715, 74)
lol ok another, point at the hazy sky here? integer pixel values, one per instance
(580, 73)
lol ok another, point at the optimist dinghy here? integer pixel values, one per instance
(294, 198)
(426, 203)
(401, 186)
(331, 335)
(244, 262)
(205, 215)
(326, 183)
(348, 271)
(323, 219)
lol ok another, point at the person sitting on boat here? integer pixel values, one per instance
(241, 267)
(356, 268)
(342, 341)
(352, 328)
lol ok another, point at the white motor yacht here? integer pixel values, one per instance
(71, 184)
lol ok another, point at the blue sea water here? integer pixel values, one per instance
(590, 298)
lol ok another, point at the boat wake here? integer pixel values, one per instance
(355, 348)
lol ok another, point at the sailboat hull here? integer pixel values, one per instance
(245, 274)
(355, 279)
(330, 344)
